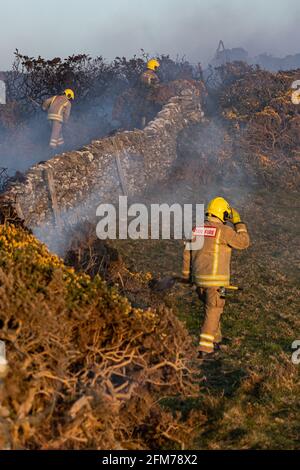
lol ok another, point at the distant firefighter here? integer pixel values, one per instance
(59, 110)
(148, 81)
(209, 267)
(149, 77)
(135, 107)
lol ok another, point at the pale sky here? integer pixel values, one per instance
(121, 27)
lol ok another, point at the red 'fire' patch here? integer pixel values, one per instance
(209, 232)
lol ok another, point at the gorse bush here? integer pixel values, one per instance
(87, 370)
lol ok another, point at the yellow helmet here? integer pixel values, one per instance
(220, 208)
(69, 94)
(153, 64)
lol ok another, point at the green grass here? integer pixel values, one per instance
(249, 398)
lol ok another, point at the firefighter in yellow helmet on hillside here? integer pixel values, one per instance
(209, 266)
(149, 77)
(148, 82)
(59, 110)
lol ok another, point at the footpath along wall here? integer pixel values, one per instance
(77, 182)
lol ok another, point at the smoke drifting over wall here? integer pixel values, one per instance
(83, 179)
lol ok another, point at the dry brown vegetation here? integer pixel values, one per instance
(265, 123)
(87, 370)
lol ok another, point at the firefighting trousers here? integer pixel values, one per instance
(56, 138)
(211, 329)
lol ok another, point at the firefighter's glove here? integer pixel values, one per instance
(236, 218)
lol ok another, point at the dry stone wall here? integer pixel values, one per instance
(75, 183)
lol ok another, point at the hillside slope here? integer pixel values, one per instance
(110, 364)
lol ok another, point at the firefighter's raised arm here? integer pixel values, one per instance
(239, 237)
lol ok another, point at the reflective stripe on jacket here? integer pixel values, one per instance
(58, 107)
(210, 266)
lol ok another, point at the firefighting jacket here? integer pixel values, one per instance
(209, 266)
(58, 107)
(149, 78)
